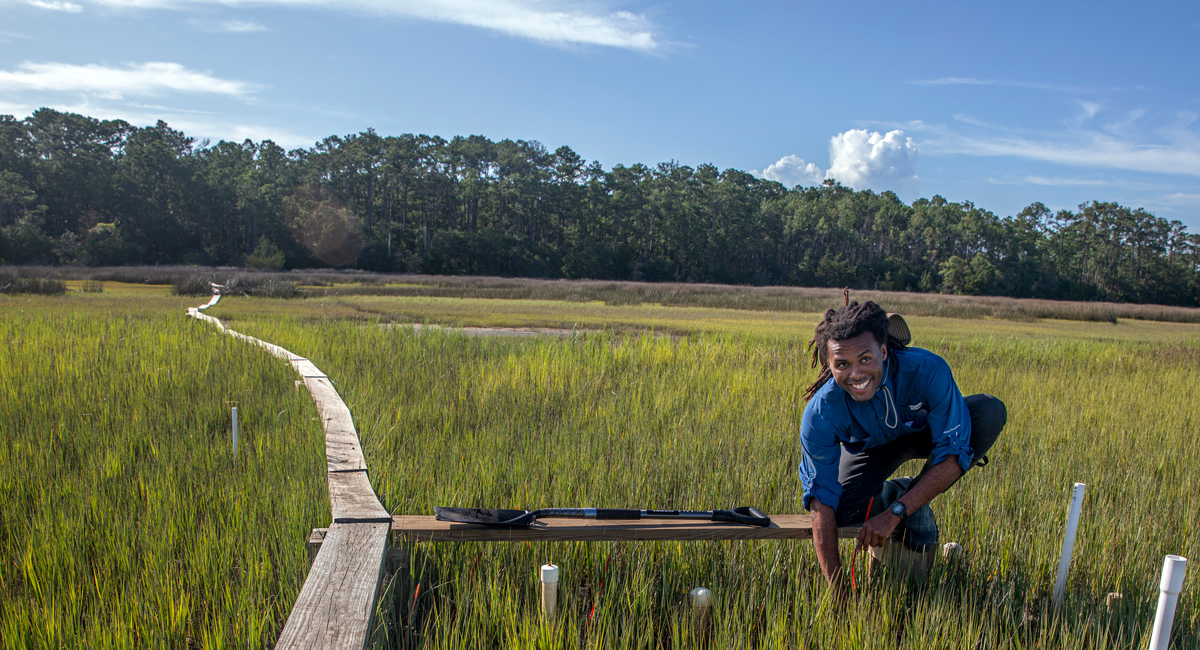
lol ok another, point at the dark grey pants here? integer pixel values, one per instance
(864, 476)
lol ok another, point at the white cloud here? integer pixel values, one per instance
(196, 124)
(972, 81)
(864, 159)
(241, 26)
(1058, 181)
(1182, 199)
(55, 5)
(548, 21)
(134, 79)
(1089, 110)
(1078, 148)
(792, 171)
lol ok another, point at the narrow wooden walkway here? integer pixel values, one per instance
(336, 605)
(419, 528)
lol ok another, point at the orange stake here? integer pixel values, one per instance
(854, 556)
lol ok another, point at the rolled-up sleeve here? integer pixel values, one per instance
(949, 419)
(821, 452)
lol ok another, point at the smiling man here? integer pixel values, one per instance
(876, 405)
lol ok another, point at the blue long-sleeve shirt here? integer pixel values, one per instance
(918, 390)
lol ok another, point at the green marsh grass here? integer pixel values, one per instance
(127, 522)
(706, 419)
(710, 421)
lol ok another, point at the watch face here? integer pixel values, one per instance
(898, 509)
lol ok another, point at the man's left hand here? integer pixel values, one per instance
(877, 529)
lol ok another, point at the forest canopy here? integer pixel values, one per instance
(78, 190)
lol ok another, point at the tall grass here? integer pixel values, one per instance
(127, 521)
(13, 282)
(711, 421)
(331, 283)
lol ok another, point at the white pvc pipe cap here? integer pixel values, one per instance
(550, 573)
(700, 597)
(1174, 566)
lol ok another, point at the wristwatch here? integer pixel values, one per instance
(899, 510)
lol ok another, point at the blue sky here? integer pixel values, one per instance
(1002, 104)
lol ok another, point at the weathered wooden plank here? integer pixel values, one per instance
(306, 368)
(315, 539)
(343, 452)
(351, 499)
(426, 528)
(337, 602)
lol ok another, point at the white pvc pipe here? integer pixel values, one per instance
(235, 431)
(951, 550)
(1064, 564)
(549, 583)
(1169, 587)
(701, 599)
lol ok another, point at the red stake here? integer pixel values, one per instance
(854, 556)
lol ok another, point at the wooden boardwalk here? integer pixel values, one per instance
(421, 528)
(336, 605)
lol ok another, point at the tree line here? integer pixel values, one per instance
(78, 190)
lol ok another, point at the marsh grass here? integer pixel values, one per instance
(14, 282)
(330, 283)
(127, 522)
(711, 421)
(705, 420)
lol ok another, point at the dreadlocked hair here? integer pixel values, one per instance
(846, 322)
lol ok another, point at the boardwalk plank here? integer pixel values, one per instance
(352, 500)
(426, 528)
(343, 452)
(337, 602)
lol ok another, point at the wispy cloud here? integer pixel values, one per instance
(200, 125)
(134, 79)
(1082, 148)
(549, 21)
(973, 81)
(1051, 181)
(241, 26)
(55, 5)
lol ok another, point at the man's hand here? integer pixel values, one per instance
(877, 529)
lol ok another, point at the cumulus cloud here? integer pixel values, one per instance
(549, 21)
(864, 159)
(792, 171)
(134, 79)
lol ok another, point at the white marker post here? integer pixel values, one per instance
(549, 580)
(235, 431)
(1064, 564)
(701, 599)
(1169, 587)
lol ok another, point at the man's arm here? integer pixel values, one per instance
(880, 527)
(825, 540)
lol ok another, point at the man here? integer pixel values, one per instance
(876, 405)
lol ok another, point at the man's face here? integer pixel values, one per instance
(857, 365)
